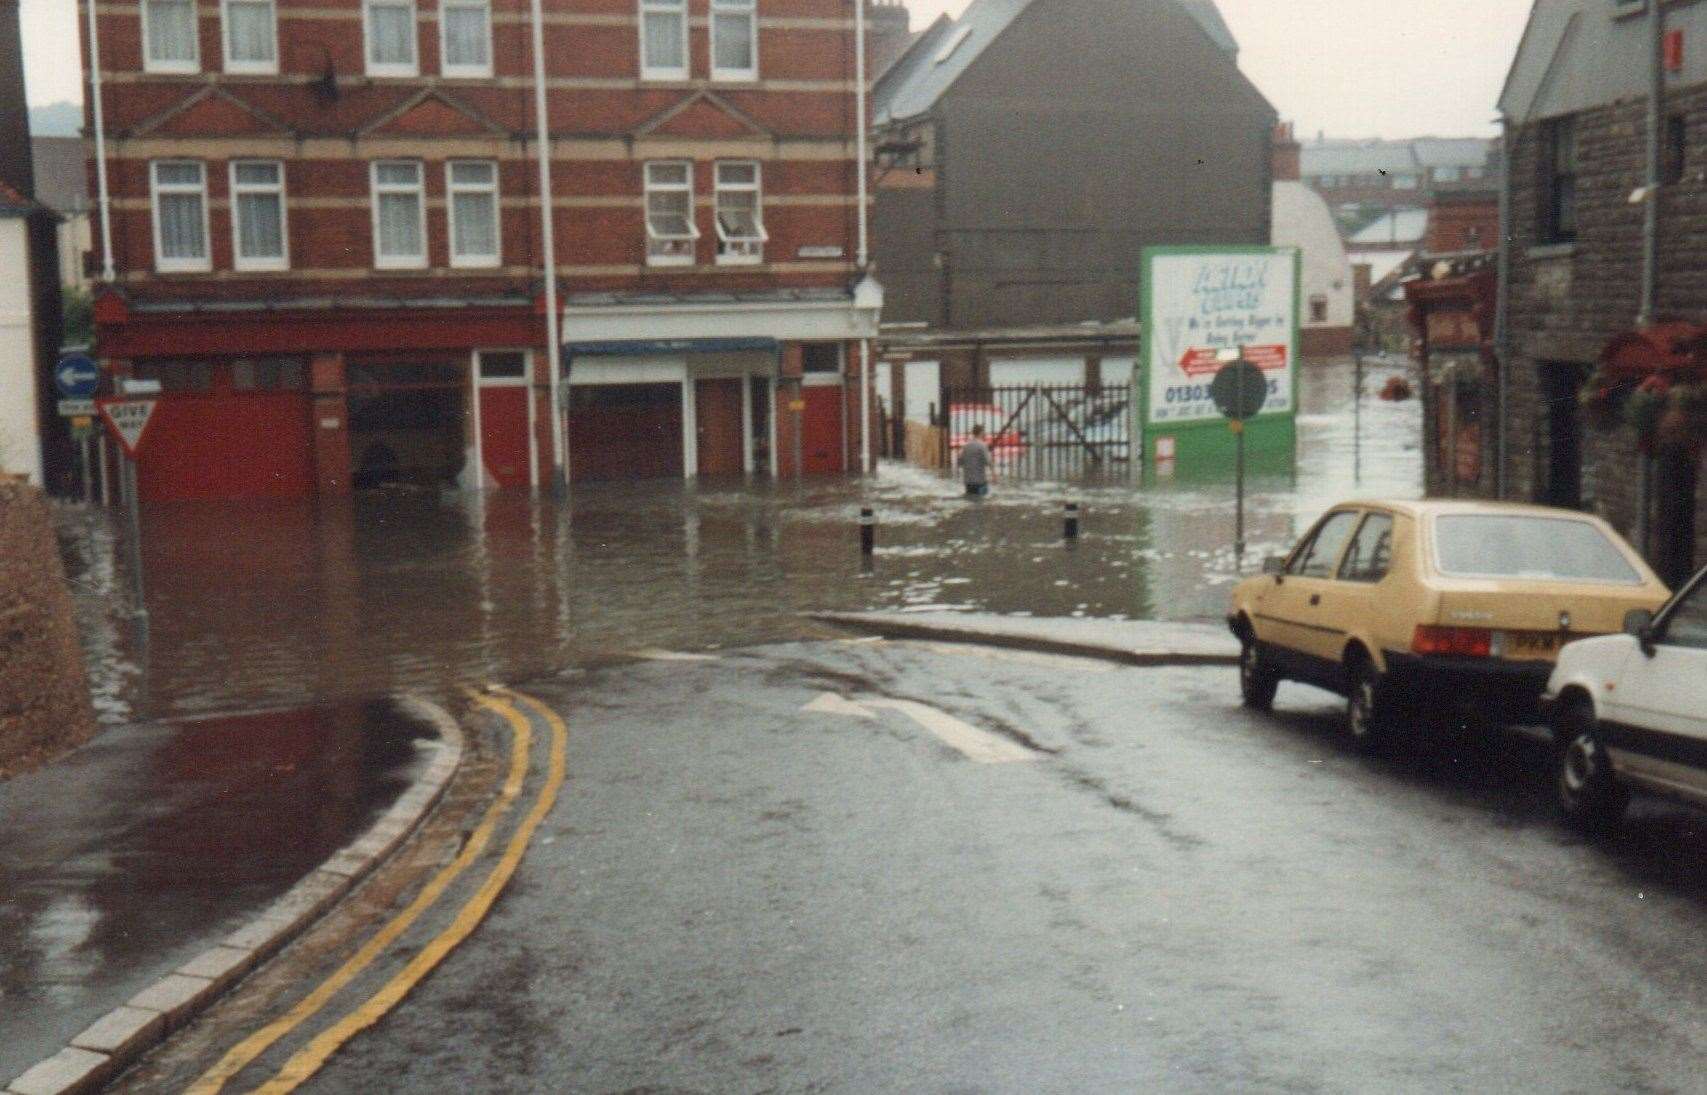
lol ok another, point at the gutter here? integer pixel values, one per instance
(1502, 315)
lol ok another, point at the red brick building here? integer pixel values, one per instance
(327, 242)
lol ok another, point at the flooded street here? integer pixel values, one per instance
(266, 604)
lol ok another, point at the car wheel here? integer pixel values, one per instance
(1369, 707)
(1257, 682)
(1589, 794)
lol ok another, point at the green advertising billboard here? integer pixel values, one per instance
(1202, 308)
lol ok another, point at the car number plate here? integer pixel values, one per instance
(1533, 642)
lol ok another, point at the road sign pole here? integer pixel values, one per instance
(1239, 477)
(139, 609)
(83, 467)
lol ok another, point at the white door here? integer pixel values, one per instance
(1658, 711)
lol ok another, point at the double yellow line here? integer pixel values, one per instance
(312, 1057)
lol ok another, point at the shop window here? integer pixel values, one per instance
(663, 39)
(821, 357)
(473, 189)
(1559, 189)
(734, 40)
(465, 30)
(251, 36)
(670, 229)
(180, 216)
(176, 376)
(170, 42)
(740, 221)
(508, 365)
(258, 215)
(399, 215)
(390, 26)
(271, 374)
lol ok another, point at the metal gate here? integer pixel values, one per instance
(1066, 431)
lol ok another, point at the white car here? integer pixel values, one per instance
(1629, 712)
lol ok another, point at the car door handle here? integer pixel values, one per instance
(1315, 599)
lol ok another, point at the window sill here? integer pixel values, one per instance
(669, 260)
(261, 267)
(664, 76)
(482, 262)
(393, 71)
(748, 76)
(187, 268)
(467, 73)
(740, 260)
(172, 68)
(1544, 251)
(251, 68)
(420, 264)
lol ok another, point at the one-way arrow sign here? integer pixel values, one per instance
(127, 419)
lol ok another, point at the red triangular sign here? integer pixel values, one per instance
(127, 419)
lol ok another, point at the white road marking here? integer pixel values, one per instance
(653, 654)
(971, 742)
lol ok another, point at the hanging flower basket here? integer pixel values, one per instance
(1655, 382)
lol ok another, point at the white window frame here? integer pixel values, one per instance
(179, 265)
(452, 188)
(458, 71)
(665, 7)
(375, 68)
(741, 252)
(261, 68)
(238, 261)
(667, 250)
(194, 64)
(749, 10)
(394, 262)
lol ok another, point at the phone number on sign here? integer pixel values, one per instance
(1197, 393)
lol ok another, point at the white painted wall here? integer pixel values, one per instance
(1037, 370)
(20, 439)
(1302, 220)
(1118, 370)
(923, 383)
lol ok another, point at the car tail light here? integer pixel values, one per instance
(1470, 642)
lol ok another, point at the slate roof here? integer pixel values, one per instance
(913, 84)
(1393, 157)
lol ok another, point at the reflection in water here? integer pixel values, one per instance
(264, 604)
(134, 853)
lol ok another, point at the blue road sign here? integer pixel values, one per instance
(76, 376)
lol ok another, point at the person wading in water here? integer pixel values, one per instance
(975, 464)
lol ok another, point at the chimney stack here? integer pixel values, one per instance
(890, 28)
(1288, 154)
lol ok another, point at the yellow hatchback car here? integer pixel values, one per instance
(1400, 606)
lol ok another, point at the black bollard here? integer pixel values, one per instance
(1071, 529)
(867, 531)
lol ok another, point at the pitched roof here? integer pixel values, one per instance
(1393, 157)
(62, 179)
(1399, 226)
(945, 50)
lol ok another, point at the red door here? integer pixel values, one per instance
(718, 412)
(625, 431)
(821, 446)
(504, 434)
(227, 445)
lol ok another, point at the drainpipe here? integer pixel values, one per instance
(1651, 230)
(107, 274)
(867, 460)
(548, 244)
(1502, 305)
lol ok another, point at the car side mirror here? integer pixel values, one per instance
(1639, 622)
(1275, 565)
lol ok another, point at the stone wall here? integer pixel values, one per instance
(1568, 300)
(44, 693)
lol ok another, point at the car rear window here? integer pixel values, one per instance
(1531, 548)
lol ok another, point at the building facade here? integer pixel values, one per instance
(1605, 306)
(1028, 151)
(1327, 302)
(328, 254)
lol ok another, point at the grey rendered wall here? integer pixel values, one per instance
(1086, 132)
(904, 245)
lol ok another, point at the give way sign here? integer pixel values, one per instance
(127, 419)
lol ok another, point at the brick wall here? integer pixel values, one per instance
(44, 694)
(1567, 301)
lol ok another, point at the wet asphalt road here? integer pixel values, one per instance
(1165, 893)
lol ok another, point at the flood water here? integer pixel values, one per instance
(268, 604)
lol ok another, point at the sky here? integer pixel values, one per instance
(1349, 68)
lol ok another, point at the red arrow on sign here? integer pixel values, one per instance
(127, 419)
(1200, 361)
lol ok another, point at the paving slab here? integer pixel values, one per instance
(71, 1071)
(122, 1028)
